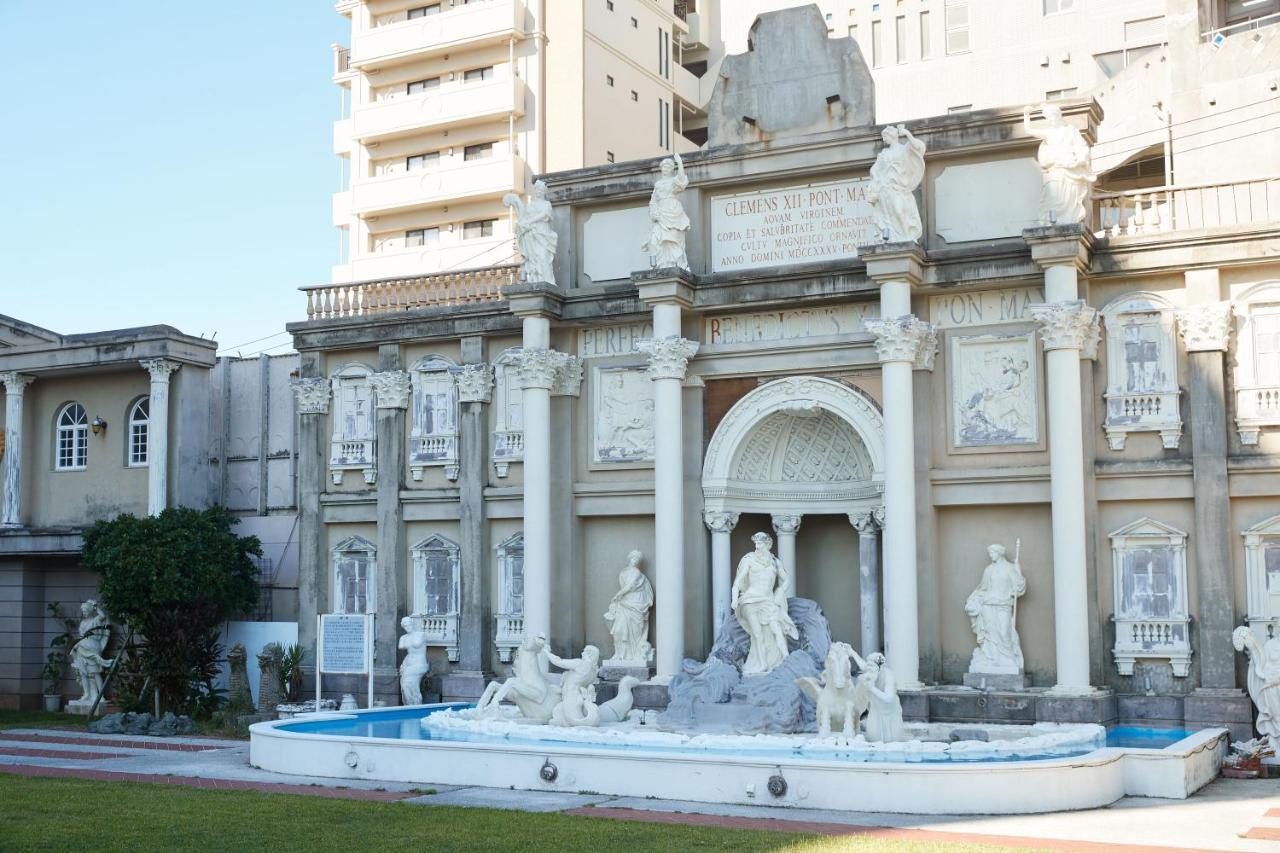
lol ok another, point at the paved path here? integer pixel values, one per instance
(1230, 814)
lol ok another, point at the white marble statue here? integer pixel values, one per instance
(669, 224)
(759, 601)
(1064, 159)
(415, 666)
(534, 234)
(1264, 679)
(993, 612)
(898, 170)
(87, 661)
(841, 699)
(628, 615)
(577, 705)
(528, 687)
(884, 711)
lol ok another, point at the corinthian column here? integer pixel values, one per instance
(721, 525)
(14, 386)
(868, 526)
(311, 399)
(538, 372)
(475, 627)
(787, 526)
(391, 389)
(158, 433)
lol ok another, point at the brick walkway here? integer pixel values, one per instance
(118, 742)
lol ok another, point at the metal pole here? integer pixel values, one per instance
(369, 646)
(319, 645)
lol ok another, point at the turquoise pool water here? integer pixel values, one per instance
(1131, 737)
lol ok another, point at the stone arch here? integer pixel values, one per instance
(802, 444)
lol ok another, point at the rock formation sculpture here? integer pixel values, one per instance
(759, 601)
(534, 234)
(1064, 159)
(239, 696)
(669, 224)
(415, 666)
(270, 690)
(898, 170)
(628, 615)
(87, 661)
(1264, 679)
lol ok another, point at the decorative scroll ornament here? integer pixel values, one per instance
(1093, 338)
(159, 368)
(720, 521)
(14, 382)
(538, 367)
(568, 381)
(391, 389)
(902, 338)
(1205, 328)
(311, 395)
(1067, 325)
(668, 357)
(475, 383)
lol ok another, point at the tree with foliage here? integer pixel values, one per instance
(175, 579)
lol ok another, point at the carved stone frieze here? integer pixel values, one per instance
(475, 383)
(568, 379)
(904, 338)
(1067, 325)
(720, 521)
(538, 367)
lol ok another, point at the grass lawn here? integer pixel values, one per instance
(76, 814)
(46, 720)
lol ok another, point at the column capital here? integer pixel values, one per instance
(159, 368)
(534, 299)
(1060, 246)
(894, 262)
(905, 338)
(1067, 325)
(311, 395)
(1205, 327)
(15, 382)
(720, 521)
(538, 367)
(568, 378)
(868, 520)
(670, 286)
(668, 357)
(475, 383)
(787, 525)
(391, 389)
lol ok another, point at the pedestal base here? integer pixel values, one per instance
(967, 705)
(1096, 707)
(648, 695)
(995, 681)
(82, 707)
(1231, 709)
(464, 685)
(616, 671)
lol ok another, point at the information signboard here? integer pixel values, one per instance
(345, 643)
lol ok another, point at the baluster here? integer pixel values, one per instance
(341, 305)
(1136, 223)
(1154, 223)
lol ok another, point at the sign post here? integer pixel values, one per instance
(344, 646)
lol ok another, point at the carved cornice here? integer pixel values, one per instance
(568, 381)
(668, 357)
(1067, 325)
(720, 521)
(311, 396)
(1205, 328)
(14, 382)
(159, 368)
(475, 383)
(538, 367)
(902, 338)
(391, 389)
(786, 525)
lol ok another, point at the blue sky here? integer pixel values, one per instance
(167, 162)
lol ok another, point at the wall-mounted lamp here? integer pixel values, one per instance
(98, 425)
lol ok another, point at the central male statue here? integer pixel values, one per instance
(992, 609)
(760, 602)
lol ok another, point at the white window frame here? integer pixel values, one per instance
(435, 446)
(72, 426)
(138, 433)
(354, 545)
(956, 30)
(1262, 603)
(509, 627)
(441, 627)
(353, 449)
(1141, 637)
(1257, 403)
(1142, 410)
(508, 409)
(1058, 7)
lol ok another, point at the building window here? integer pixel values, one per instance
(956, 16)
(427, 160)
(435, 567)
(1059, 94)
(877, 46)
(417, 87)
(608, 79)
(508, 408)
(1257, 361)
(139, 429)
(1142, 376)
(1053, 7)
(476, 75)
(73, 438)
(924, 35)
(479, 151)
(433, 436)
(422, 237)
(664, 53)
(478, 228)
(900, 38)
(1150, 582)
(1239, 11)
(1115, 61)
(509, 631)
(1262, 576)
(424, 11)
(853, 31)
(353, 567)
(352, 446)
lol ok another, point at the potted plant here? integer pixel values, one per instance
(55, 663)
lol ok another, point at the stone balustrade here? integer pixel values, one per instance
(442, 631)
(1179, 208)
(366, 298)
(508, 634)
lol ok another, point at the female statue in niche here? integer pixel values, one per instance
(669, 223)
(993, 610)
(898, 170)
(415, 666)
(759, 601)
(534, 234)
(87, 661)
(628, 614)
(1064, 159)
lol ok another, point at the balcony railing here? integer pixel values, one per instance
(1242, 26)
(1164, 638)
(508, 634)
(470, 25)
(365, 298)
(341, 59)
(1179, 208)
(401, 190)
(443, 631)
(454, 103)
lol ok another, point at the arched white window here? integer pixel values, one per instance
(1142, 370)
(508, 400)
(354, 564)
(354, 428)
(139, 432)
(509, 630)
(436, 566)
(73, 438)
(433, 437)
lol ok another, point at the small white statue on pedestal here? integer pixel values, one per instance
(669, 224)
(884, 712)
(87, 661)
(1064, 159)
(628, 615)
(759, 601)
(534, 234)
(1264, 679)
(415, 666)
(993, 611)
(898, 170)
